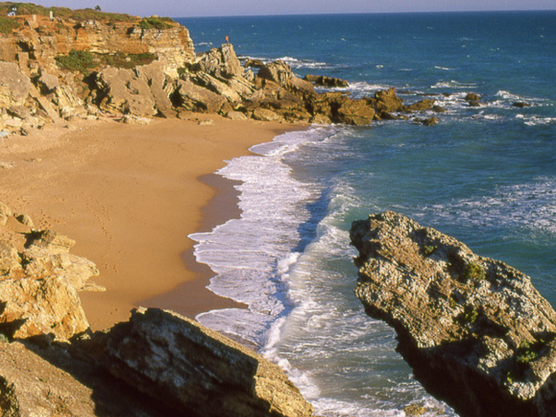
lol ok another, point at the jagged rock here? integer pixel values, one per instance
(48, 82)
(355, 112)
(20, 112)
(24, 219)
(9, 257)
(198, 99)
(302, 88)
(30, 386)
(14, 85)
(387, 101)
(161, 86)
(38, 292)
(197, 370)
(324, 81)
(422, 105)
(216, 86)
(220, 62)
(5, 212)
(476, 332)
(521, 104)
(124, 92)
(320, 119)
(278, 72)
(253, 63)
(266, 115)
(52, 241)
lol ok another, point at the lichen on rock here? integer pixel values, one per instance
(476, 332)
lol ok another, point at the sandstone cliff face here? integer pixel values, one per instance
(40, 40)
(476, 332)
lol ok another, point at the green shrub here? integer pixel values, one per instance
(471, 316)
(121, 60)
(155, 23)
(81, 61)
(474, 272)
(7, 25)
(428, 250)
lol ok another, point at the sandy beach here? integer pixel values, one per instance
(130, 195)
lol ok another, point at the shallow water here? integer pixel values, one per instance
(486, 175)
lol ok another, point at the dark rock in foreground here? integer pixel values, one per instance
(476, 332)
(196, 370)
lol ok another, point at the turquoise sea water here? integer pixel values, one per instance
(486, 175)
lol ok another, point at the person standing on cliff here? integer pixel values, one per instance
(227, 40)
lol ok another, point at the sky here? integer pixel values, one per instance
(197, 8)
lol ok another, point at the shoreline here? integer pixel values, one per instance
(124, 193)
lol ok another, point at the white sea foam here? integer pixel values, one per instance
(529, 206)
(304, 63)
(453, 84)
(443, 68)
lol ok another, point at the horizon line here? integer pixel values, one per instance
(369, 13)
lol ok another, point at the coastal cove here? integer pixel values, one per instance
(214, 185)
(484, 174)
(129, 196)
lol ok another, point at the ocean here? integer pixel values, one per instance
(485, 175)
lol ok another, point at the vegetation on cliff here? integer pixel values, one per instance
(64, 12)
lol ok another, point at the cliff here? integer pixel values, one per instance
(475, 331)
(59, 64)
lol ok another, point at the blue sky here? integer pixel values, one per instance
(188, 8)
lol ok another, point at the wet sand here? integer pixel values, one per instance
(130, 195)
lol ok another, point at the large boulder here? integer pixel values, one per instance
(324, 81)
(196, 370)
(39, 288)
(387, 101)
(161, 86)
(14, 85)
(195, 98)
(355, 112)
(278, 72)
(476, 332)
(121, 91)
(220, 62)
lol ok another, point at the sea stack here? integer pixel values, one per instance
(476, 332)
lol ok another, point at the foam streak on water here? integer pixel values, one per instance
(252, 255)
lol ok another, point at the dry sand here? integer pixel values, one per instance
(130, 195)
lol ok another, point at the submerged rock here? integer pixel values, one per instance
(476, 332)
(196, 370)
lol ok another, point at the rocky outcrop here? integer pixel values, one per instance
(86, 64)
(476, 332)
(14, 86)
(156, 364)
(196, 370)
(39, 287)
(324, 81)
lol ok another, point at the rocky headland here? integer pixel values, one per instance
(59, 65)
(476, 332)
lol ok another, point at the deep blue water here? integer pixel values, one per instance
(486, 175)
